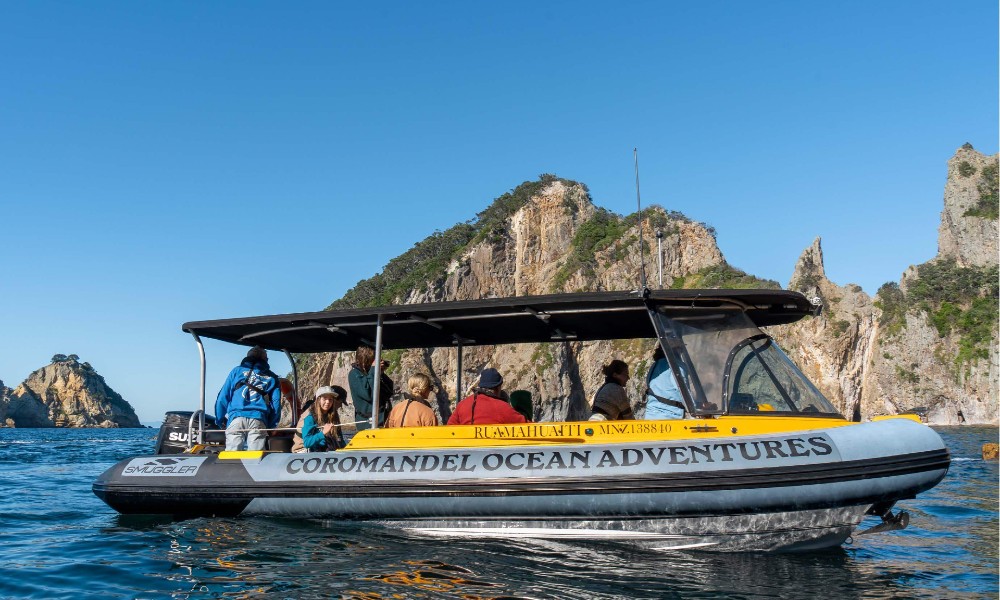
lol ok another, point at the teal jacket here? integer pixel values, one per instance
(362, 387)
(313, 438)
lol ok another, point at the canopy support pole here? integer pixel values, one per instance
(377, 389)
(294, 400)
(458, 375)
(201, 414)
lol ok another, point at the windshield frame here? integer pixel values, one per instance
(671, 342)
(675, 349)
(771, 344)
(769, 341)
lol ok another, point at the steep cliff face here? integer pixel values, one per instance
(20, 408)
(558, 241)
(5, 393)
(937, 338)
(834, 349)
(968, 231)
(927, 342)
(71, 394)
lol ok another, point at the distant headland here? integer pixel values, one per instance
(65, 393)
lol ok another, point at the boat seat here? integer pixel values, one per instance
(215, 437)
(520, 400)
(743, 402)
(279, 443)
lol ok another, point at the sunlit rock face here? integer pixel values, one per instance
(530, 255)
(967, 234)
(20, 408)
(834, 349)
(925, 360)
(871, 363)
(67, 393)
(547, 245)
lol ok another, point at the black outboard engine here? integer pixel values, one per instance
(173, 436)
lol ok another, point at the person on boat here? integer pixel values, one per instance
(361, 380)
(611, 400)
(663, 396)
(249, 402)
(414, 410)
(289, 397)
(487, 405)
(318, 429)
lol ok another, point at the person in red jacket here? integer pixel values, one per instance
(487, 405)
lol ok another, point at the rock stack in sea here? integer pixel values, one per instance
(65, 393)
(924, 343)
(927, 343)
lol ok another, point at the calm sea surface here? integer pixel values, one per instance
(57, 540)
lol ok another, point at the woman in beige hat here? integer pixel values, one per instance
(318, 429)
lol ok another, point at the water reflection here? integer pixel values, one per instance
(304, 559)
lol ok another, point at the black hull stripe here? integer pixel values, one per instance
(935, 460)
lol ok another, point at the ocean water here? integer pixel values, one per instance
(57, 540)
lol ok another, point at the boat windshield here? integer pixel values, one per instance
(730, 366)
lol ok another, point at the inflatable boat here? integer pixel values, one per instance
(761, 461)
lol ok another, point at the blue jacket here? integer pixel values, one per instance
(240, 395)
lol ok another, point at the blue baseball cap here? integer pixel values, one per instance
(490, 378)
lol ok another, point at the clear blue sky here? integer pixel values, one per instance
(170, 161)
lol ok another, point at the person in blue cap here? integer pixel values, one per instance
(487, 405)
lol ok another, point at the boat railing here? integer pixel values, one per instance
(196, 426)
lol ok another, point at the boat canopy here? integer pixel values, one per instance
(523, 319)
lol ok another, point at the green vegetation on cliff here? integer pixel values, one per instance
(961, 300)
(607, 230)
(593, 236)
(723, 275)
(892, 302)
(427, 261)
(987, 207)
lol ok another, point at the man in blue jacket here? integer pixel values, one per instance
(249, 402)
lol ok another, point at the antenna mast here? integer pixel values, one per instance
(638, 203)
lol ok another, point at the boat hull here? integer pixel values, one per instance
(781, 491)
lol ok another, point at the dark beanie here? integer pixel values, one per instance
(257, 354)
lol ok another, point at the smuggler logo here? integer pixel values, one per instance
(173, 466)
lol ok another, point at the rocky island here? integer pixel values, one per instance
(65, 393)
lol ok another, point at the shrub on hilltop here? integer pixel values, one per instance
(427, 261)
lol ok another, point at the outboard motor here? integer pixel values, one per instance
(173, 436)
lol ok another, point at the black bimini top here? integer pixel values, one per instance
(523, 319)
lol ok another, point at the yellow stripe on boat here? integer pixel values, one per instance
(909, 416)
(240, 454)
(582, 432)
